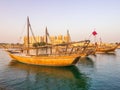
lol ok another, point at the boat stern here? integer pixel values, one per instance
(76, 60)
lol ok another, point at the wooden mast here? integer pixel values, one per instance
(46, 39)
(68, 37)
(46, 35)
(28, 35)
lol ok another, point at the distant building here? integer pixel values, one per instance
(51, 40)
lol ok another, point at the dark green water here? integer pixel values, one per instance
(100, 72)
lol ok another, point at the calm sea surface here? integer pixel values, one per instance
(100, 72)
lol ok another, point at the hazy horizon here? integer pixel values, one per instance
(80, 17)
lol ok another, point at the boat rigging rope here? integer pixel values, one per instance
(32, 33)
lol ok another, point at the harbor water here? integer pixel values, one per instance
(100, 72)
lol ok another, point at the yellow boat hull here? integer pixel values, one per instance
(106, 50)
(47, 60)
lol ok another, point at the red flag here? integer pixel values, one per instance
(94, 33)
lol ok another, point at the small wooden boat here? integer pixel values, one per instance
(106, 49)
(52, 57)
(118, 46)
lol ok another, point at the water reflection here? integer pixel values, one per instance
(28, 77)
(86, 61)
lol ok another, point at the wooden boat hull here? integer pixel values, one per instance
(47, 60)
(105, 50)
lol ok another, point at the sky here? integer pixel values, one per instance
(80, 17)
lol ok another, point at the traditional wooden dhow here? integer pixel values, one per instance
(49, 55)
(106, 48)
